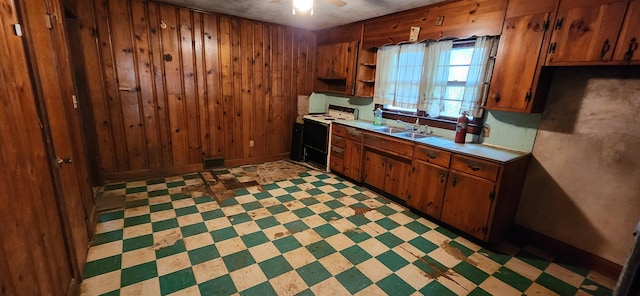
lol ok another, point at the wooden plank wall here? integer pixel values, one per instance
(206, 85)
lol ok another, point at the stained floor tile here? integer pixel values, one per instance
(313, 234)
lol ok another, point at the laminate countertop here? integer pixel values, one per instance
(483, 151)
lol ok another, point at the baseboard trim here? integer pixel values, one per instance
(185, 169)
(254, 160)
(567, 252)
(152, 173)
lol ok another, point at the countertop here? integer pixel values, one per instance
(482, 151)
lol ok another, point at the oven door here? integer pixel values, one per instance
(316, 142)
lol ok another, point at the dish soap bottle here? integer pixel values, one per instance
(377, 117)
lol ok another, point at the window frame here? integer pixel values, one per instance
(445, 122)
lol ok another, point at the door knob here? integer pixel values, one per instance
(64, 160)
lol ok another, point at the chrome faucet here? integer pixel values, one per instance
(407, 127)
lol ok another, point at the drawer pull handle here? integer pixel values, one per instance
(442, 179)
(633, 45)
(432, 156)
(454, 181)
(605, 48)
(474, 168)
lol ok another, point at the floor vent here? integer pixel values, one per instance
(213, 162)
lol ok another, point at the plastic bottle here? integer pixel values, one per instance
(377, 117)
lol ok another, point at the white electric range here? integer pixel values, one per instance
(317, 134)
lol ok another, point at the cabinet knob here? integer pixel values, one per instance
(605, 48)
(496, 97)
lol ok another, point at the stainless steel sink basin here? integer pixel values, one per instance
(411, 135)
(390, 129)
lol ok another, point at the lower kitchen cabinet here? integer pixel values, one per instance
(476, 195)
(467, 203)
(386, 173)
(397, 177)
(426, 188)
(375, 169)
(346, 152)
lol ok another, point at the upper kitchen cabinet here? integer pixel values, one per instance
(336, 56)
(627, 47)
(336, 67)
(585, 32)
(520, 57)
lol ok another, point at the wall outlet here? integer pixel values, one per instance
(251, 143)
(486, 131)
(440, 20)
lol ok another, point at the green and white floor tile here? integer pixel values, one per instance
(308, 236)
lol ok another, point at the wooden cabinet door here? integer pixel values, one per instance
(336, 61)
(516, 62)
(427, 183)
(586, 31)
(397, 178)
(375, 166)
(353, 160)
(467, 203)
(627, 47)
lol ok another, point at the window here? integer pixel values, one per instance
(459, 63)
(445, 78)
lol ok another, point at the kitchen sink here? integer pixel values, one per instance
(411, 135)
(391, 130)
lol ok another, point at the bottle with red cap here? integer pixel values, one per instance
(461, 128)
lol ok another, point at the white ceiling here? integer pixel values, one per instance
(325, 15)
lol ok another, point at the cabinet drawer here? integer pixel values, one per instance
(354, 134)
(337, 152)
(339, 130)
(336, 164)
(432, 155)
(476, 167)
(388, 144)
(337, 141)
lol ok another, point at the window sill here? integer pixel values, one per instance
(443, 123)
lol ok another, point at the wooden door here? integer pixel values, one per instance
(427, 186)
(397, 178)
(83, 117)
(586, 31)
(53, 79)
(627, 50)
(34, 259)
(353, 160)
(80, 122)
(517, 62)
(467, 203)
(375, 166)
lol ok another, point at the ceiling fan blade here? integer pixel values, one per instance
(338, 3)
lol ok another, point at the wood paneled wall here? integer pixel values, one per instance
(170, 85)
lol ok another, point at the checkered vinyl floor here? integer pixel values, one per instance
(303, 237)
